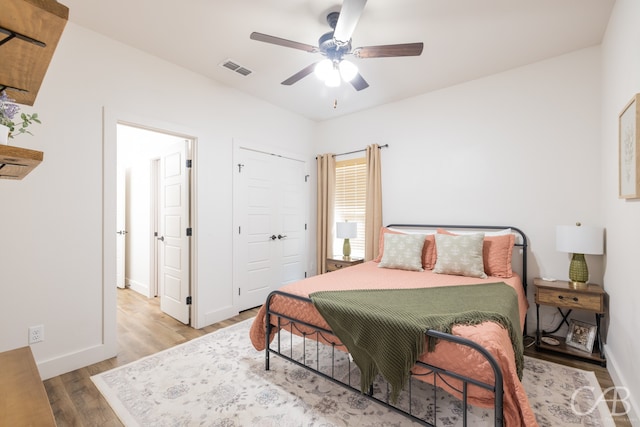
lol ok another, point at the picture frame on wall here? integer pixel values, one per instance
(629, 150)
(581, 335)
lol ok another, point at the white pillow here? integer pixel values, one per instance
(413, 231)
(503, 232)
(460, 255)
(403, 251)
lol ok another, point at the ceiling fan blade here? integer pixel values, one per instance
(300, 74)
(391, 50)
(349, 16)
(282, 42)
(359, 83)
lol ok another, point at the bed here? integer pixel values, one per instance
(477, 362)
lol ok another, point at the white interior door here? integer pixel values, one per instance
(121, 229)
(292, 221)
(174, 253)
(270, 214)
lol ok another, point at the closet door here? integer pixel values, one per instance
(269, 224)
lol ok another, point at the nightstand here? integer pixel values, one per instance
(562, 295)
(338, 262)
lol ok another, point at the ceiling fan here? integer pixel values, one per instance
(336, 44)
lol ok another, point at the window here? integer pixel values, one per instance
(350, 201)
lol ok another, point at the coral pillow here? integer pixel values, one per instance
(428, 250)
(497, 252)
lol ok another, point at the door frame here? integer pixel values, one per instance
(110, 119)
(155, 226)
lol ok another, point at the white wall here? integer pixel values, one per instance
(518, 148)
(51, 223)
(621, 81)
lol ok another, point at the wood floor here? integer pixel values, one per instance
(143, 330)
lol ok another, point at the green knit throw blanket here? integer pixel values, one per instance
(384, 330)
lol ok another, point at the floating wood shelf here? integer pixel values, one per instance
(16, 162)
(29, 33)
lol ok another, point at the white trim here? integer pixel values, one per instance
(139, 287)
(266, 149)
(193, 209)
(152, 291)
(71, 361)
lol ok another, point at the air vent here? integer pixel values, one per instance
(233, 66)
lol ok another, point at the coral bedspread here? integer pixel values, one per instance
(493, 337)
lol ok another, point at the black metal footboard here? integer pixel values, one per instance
(323, 360)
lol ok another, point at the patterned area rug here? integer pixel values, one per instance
(219, 380)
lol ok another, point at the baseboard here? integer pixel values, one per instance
(216, 316)
(71, 361)
(633, 411)
(140, 288)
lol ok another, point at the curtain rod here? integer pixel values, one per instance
(358, 151)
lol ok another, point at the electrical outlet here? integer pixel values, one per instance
(36, 334)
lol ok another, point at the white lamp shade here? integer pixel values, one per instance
(323, 69)
(348, 70)
(333, 78)
(346, 230)
(580, 239)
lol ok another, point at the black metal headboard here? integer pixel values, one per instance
(521, 240)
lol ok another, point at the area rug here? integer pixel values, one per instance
(219, 380)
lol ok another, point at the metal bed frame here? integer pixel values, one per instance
(434, 372)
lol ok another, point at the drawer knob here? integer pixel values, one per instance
(575, 299)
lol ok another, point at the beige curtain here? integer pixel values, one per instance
(326, 195)
(373, 218)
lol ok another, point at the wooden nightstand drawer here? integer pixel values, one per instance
(334, 264)
(570, 299)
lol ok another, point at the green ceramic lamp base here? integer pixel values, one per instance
(578, 271)
(346, 248)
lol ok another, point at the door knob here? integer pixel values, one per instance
(281, 236)
(161, 238)
(122, 232)
(273, 237)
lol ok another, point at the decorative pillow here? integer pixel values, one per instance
(460, 255)
(383, 232)
(428, 251)
(497, 251)
(403, 251)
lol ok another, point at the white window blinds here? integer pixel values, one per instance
(350, 202)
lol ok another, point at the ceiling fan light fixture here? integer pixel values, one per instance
(333, 78)
(348, 70)
(323, 69)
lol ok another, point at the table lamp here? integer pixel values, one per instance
(579, 240)
(346, 230)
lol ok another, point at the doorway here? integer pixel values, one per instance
(154, 216)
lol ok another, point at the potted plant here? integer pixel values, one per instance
(12, 122)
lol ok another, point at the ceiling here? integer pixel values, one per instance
(463, 40)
